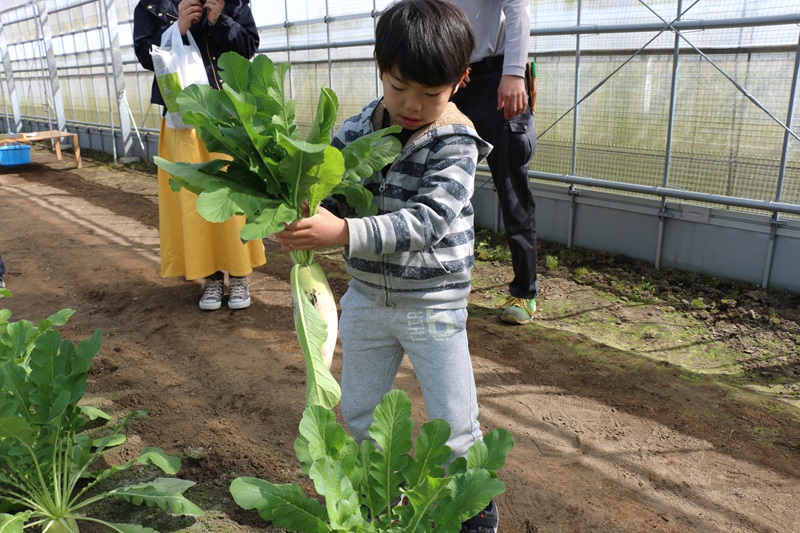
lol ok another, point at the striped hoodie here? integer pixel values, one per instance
(418, 250)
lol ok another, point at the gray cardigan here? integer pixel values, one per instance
(502, 27)
(418, 250)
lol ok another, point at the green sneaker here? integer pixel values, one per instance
(518, 310)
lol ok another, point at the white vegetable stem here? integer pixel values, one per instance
(313, 283)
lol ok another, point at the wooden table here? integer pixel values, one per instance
(55, 135)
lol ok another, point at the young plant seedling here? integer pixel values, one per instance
(362, 485)
(45, 450)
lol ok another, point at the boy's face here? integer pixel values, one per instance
(412, 105)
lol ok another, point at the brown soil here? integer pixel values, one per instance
(640, 400)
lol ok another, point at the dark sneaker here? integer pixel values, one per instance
(238, 293)
(2, 283)
(212, 295)
(518, 310)
(484, 522)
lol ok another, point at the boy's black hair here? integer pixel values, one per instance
(426, 41)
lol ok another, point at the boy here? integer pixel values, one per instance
(410, 265)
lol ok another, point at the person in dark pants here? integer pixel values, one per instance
(496, 99)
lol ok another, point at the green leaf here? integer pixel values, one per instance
(284, 505)
(163, 493)
(327, 174)
(93, 413)
(86, 351)
(59, 405)
(370, 153)
(431, 452)
(421, 499)
(367, 454)
(156, 456)
(325, 118)
(341, 500)
(391, 430)
(114, 440)
(325, 436)
(18, 429)
(284, 120)
(268, 222)
(13, 523)
(261, 80)
(470, 493)
(321, 436)
(205, 102)
(300, 167)
(492, 452)
(235, 71)
(56, 319)
(19, 337)
(16, 383)
(360, 198)
(196, 177)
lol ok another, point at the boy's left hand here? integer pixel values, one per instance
(323, 230)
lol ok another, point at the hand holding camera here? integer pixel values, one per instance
(191, 11)
(213, 10)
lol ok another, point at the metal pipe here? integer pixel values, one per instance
(286, 24)
(374, 15)
(668, 148)
(328, 38)
(666, 191)
(686, 25)
(598, 29)
(782, 171)
(575, 116)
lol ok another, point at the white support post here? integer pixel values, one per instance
(55, 86)
(11, 88)
(119, 78)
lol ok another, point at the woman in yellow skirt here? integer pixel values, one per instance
(191, 246)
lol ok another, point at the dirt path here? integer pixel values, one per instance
(607, 440)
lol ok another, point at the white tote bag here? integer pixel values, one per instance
(177, 66)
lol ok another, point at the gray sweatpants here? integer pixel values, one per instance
(374, 339)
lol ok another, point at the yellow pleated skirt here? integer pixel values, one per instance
(190, 245)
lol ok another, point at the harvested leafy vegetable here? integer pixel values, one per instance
(273, 178)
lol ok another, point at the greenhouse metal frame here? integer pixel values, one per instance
(669, 137)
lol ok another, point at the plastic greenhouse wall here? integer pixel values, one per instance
(667, 130)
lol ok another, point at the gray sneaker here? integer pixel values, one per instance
(238, 293)
(212, 295)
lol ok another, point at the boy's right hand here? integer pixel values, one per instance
(321, 231)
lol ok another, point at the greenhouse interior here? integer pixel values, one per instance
(669, 137)
(394, 378)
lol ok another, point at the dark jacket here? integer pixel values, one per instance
(235, 31)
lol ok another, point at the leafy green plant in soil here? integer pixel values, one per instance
(383, 487)
(273, 178)
(45, 447)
